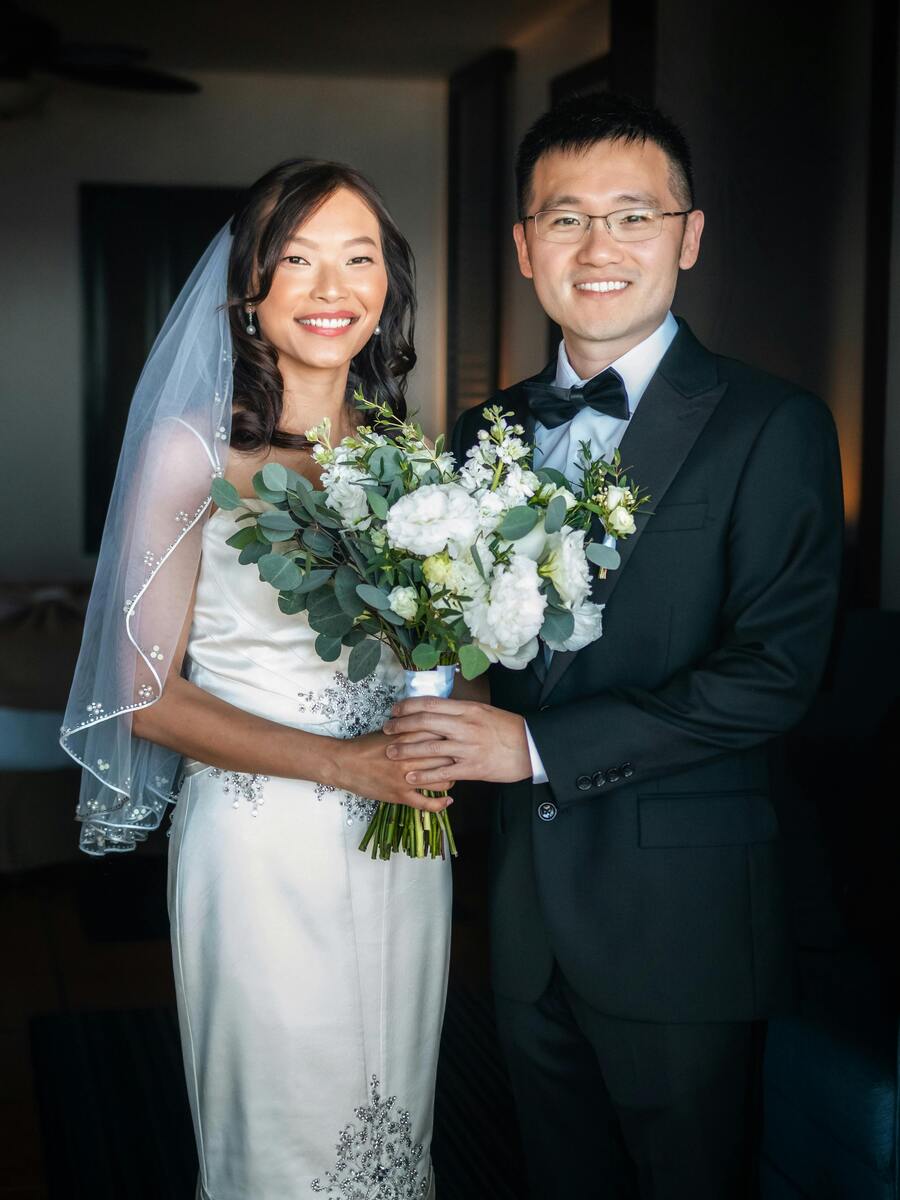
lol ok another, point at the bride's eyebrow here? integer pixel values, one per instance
(357, 241)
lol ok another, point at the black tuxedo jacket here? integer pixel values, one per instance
(650, 866)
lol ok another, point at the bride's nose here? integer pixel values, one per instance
(328, 284)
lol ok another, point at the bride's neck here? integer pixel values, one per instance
(310, 396)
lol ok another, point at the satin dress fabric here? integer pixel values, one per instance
(310, 979)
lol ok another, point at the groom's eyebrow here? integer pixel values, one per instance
(645, 198)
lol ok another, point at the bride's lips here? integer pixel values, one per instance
(327, 324)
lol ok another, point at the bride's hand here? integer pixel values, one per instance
(361, 765)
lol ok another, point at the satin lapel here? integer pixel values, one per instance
(678, 402)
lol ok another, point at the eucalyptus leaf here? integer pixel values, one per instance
(345, 582)
(555, 515)
(275, 477)
(602, 556)
(354, 637)
(364, 658)
(225, 494)
(476, 559)
(328, 648)
(559, 624)
(279, 571)
(291, 603)
(473, 661)
(425, 657)
(334, 624)
(265, 493)
(377, 502)
(373, 597)
(253, 552)
(384, 463)
(242, 538)
(314, 580)
(392, 618)
(320, 543)
(517, 522)
(278, 523)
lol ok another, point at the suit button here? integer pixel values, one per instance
(613, 776)
(627, 770)
(547, 811)
(599, 779)
(583, 783)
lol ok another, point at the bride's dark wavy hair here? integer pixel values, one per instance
(276, 205)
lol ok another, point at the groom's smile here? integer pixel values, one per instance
(605, 293)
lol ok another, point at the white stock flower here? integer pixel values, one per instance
(347, 498)
(517, 486)
(505, 623)
(491, 511)
(435, 516)
(620, 521)
(588, 627)
(404, 601)
(566, 566)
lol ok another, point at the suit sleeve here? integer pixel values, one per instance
(784, 554)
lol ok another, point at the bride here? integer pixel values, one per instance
(310, 979)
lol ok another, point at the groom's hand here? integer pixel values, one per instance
(485, 743)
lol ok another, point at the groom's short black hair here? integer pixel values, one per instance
(578, 123)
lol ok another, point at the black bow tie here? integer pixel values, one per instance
(553, 406)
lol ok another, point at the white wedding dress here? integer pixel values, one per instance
(310, 979)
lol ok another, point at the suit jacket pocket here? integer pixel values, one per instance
(706, 819)
(671, 517)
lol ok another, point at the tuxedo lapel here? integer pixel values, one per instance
(673, 411)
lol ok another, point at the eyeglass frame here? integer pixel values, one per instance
(605, 217)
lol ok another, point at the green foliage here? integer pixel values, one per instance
(517, 522)
(328, 648)
(224, 494)
(373, 597)
(425, 657)
(472, 661)
(279, 571)
(603, 556)
(364, 658)
(559, 624)
(555, 516)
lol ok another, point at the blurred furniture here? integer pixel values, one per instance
(831, 1070)
(40, 632)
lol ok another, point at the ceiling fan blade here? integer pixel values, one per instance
(128, 78)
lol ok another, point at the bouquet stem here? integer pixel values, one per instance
(396, 827)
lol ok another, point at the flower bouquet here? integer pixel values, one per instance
(451, 567)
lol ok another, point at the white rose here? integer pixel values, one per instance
(613, 497)
(620, 521)
(588, 627)
(404, 601)
(348, 499)
(566, 566)
(435, 516)
(550, 491)
(505, 624)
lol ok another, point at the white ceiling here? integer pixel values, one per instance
(347, 37)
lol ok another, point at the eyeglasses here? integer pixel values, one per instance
(624, 225)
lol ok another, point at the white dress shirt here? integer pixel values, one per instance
(559, 448)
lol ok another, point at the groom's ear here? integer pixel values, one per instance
(690, 243)
(522, 249)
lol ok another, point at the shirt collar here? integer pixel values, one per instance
(637, 366)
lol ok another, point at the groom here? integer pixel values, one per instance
(639, 936)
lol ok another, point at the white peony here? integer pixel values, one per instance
(620, 521)
(464, 578)
(435, 516)
(566, 566)
(588, 627)
(505, 622)
(404, 601)
(347, 498)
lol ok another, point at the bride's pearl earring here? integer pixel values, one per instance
(377, 330)
(251, 328)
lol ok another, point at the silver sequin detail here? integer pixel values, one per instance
(376, 1158)
(355, 708)
(244, 787)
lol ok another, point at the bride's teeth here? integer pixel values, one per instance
(604, 285)
(326, 322)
